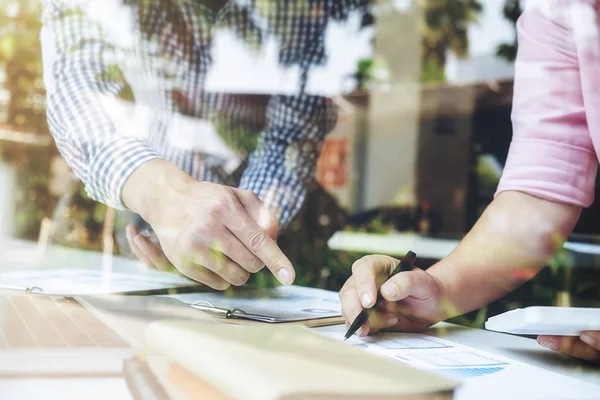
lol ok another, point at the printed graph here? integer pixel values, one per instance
(406, 342)
(467, 373)
(457, 359)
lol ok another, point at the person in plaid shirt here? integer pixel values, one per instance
(129, 113)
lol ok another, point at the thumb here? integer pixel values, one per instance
(417, 283)
(591, 338)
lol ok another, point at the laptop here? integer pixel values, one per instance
(78, 336)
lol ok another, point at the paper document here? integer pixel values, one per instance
(478, 371)
(432, 353)
(282, 303)
(72, 282)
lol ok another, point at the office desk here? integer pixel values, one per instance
(64, 389)
(17, 254)
(516, 348)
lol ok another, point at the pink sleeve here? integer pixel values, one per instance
(552, 154)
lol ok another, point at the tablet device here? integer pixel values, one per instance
(558, 321)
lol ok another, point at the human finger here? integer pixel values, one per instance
(368, 274)
(261, 245)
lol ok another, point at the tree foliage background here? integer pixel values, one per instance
(445, 28)
(21, 64)
(512, 11)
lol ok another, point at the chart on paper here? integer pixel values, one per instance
(398, 342)
(427, 352)
(477, 371)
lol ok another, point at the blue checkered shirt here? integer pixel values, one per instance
(155, 55)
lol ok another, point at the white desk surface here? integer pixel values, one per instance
(397, 244)
(64, 389)
(17, 254)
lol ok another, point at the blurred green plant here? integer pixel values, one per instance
(512, 11)
(237, 135)
(488, 176)
(20, 59)
(432, 72)
(78, 220)
(445, 28)
(24, 109)
(364, 73)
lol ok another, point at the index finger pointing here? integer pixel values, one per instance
(264, 247)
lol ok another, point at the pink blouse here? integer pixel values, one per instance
(556, 108)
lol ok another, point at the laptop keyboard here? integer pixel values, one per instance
(39, 321)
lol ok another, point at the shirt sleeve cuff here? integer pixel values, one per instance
(557, 172)
(113, 164)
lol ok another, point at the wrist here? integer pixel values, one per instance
(152, 187)
(446, 276)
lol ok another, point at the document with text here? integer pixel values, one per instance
(477, 371)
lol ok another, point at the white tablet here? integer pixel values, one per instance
(559, 321)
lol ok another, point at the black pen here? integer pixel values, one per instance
(404, 265)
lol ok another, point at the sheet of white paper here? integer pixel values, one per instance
(282, 302)
(71, 282)
(478, 371)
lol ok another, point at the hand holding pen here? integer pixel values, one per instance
(385, 293)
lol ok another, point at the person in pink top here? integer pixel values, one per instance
(549, 178)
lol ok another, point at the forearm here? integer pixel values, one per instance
(514, 238)
(152, 186)
(90, 124)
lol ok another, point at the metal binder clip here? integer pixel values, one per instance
(211, 309)
(224, 313)
(31, 290)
